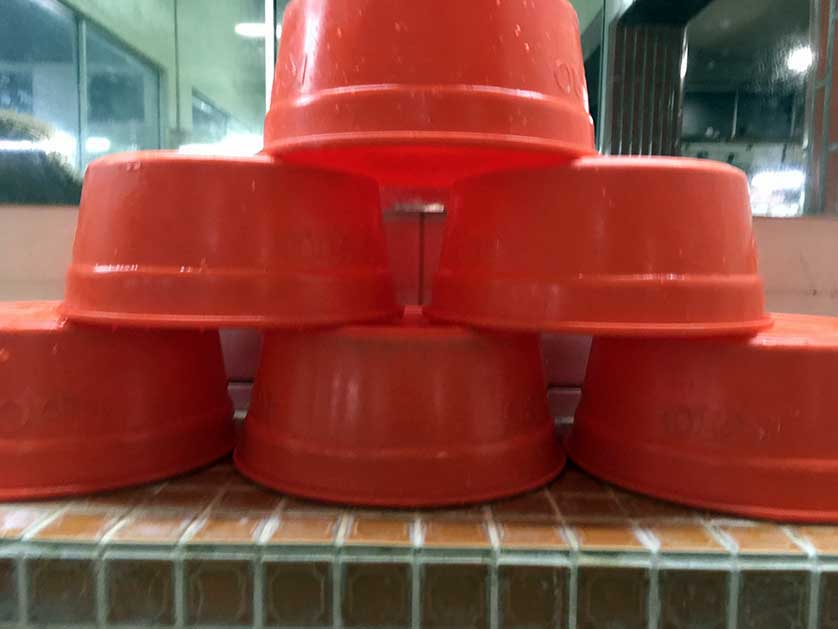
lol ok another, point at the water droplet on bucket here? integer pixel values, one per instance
(517, 30)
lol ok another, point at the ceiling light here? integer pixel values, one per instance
(800, 59)
(96, 145)
(251, 30)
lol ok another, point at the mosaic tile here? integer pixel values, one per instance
(685, 537)
(761, 539)
(693, 598)
(533, 506)
(612, 597)
(226, 529)
(151, 528)
(140, 592)
(773, 599)
(531, 536)
(452, 533)
(8, 591)
(379, 531)
(298, 594)
(61, 591)
(376, 595)
(87, 528)
(532, 596)
(219, 592)
(304, 530)
(598, 536)
(455, 596)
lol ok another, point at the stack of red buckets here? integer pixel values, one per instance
(693, 392)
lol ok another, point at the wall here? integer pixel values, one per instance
(226, 68)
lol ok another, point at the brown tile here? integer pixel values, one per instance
(829, 600)
(376, 595)
(248, 499)
(575, 481)
(685, 537)
(531, 535)
(121, 500)
(612, 597)
(454, 596)
(455, 534)
(151, 528)
(15, 520)
(823, 538)
(380, 531)
(298, 505)
(140, 592)
(773, 599)
(470, 512)
(600, 536)
(219, 592)
(305, 530)
(8, 591)
(693, 598)
(298, 594)
(532, 596)
(192, 499)
(587, 507)
(642, 507)
(224, 529)
(534, 506)
(762, 539)
(62, 591)
(86, 528)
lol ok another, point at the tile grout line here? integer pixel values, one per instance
(417, 541)
(569, 536)
(653, 545)
(344, 524)
(269, 527)
(814, 575)
(494, 541)
(180, 552)
(729, 544)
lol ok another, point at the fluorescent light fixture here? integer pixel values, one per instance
(251, 30)
(778, 180)
(800, 59)
(96, 145)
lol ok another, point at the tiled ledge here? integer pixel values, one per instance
(213, 550)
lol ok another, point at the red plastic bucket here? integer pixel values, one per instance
(169, 240)
(426, 92)
(404, 415)
(84, 408)
(745, 426)
(609, 246)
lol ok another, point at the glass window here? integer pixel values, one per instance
(222, 76)
(123, 99)
(39, 104)
(745, 96)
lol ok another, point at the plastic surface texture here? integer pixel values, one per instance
(405, 415)
(613, 246)
(85, 408)
(365, 85)
(172, 240)
(745, 426)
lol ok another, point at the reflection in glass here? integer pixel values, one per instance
(38, 103)
(745, 96)
(123, 99)
(222, 76)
